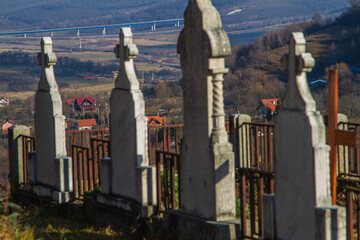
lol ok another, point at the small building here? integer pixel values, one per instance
(86, 103)
(155, 121)
(267, 104)
(6, 125)
(4, 102)
(162, 112)
(70, 101)
(85, 124)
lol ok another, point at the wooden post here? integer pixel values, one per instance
(332, 126)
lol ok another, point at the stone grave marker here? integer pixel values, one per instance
(302, 208)
(53, 168)
(207, 169)
(131, 176)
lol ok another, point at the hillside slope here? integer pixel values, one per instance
(256, 74)
(64, 13)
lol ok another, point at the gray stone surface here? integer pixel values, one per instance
(184, 227)
(49, 121)
(128, 126)
(105, 175)
(302, 179)
(207, 160)
(31, 168)
(16, 154)
(269, 216)
(64, 174)
(131, 207)
(330, 223)
(239, 137)
(343, 151)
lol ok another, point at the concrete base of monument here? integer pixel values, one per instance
(183, 226)
(49, 193)
(118, 212)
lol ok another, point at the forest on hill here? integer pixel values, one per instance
(255, 72)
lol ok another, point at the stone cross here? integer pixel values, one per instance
(126, 51)
(49, 121)
(131, 176)
(302, 180)
(207, 160)
(297, 62)
(47, 59)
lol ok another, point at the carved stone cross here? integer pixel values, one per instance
(203, 45)
(126, 51)
(49, 121)
(47, 59)
(297, 62)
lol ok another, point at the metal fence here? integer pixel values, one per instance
(164, 138)
(83, 137)
(253, 147)
(28, 146)
(167, 180)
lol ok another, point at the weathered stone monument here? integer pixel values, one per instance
(207, 175)
(240, 137)
(131, 177)
(53, 169)
(302, 207)
(16, 174)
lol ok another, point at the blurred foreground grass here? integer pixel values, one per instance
(61, 222)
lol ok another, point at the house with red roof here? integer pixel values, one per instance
(6, 125)
(154, 120)
(86, 103)
(80, 104)
(70, 101)
(83, 124)
(4, 102)
(267, 104)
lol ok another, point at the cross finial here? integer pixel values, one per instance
(47, 57)
(126, 51)
(297, 62)
(297, 59)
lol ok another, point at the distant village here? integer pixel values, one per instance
(87, 114)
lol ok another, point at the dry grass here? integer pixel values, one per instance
(57, 222)
(92, 56)
(17, 95)
(146, 67)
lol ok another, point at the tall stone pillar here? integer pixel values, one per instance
(207, 160)
(49, 121)
(53, 168)
(16, 174)
(302, 206)
(131, 176)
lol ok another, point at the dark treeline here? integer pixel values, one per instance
(67, 65)
(256, 53)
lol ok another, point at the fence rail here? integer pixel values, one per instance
(349, 157)
(254, 155)
(164, 138)
(83, 137)
(167, 180)
(83, 171)
(28, 146)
